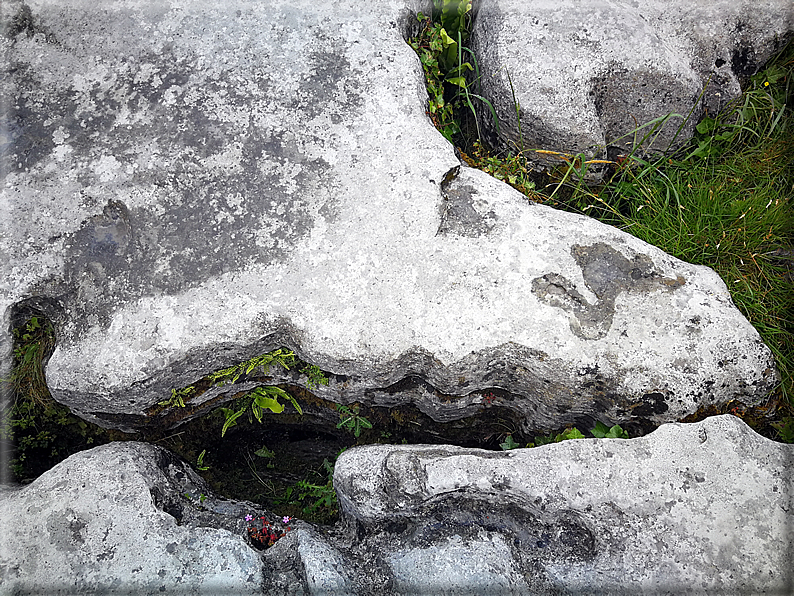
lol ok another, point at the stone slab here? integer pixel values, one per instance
(114, 520)
(191, 184)
(701, 508)
(588, 74)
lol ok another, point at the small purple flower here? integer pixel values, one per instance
(286, 519)
(249, 517)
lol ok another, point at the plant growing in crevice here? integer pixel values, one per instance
(351, 420)
(33, 342)
(441, 49)
(262, 534)
(200, 461)
(36, 430)
(601, 431)
(259, 399)
(317, 500)
(177, 399)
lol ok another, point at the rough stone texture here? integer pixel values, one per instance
(699, 509)
(586, 74)
(114, 520)
(690, 509)
(187, 185)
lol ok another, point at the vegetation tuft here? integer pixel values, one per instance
(35, 430)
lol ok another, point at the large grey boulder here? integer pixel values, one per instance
(587, 74)
(188, 185)
(116, 520)
(704, 508)
(690, 509)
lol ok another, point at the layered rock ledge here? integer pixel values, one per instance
(187, 186)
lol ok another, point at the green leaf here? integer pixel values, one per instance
(509, 444)
(547, 440)
(231, 418)
(446, 39)
(265, 452)
(570, 433)
(616, 432)
(262, 400)
(600, 430)
(200, 461)
(706, 125)
(490, 107)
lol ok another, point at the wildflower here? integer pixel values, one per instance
(286, 519)
(249, 518)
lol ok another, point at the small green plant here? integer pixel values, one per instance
(177, 399)
(602, 431)
(509, 444)
(452, 15)
(785, 429)
(566, 435)
(282, 357)
(440, 47)
(259, 400)
(265, 453)
(200, 461)
(318, 501)
(314, 376)
(351, 420)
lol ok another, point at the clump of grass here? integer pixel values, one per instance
(33, 342)
(35, 430)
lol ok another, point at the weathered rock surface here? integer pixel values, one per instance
(690, 509)
(115, 520)
(587, 74)
(188, 185)
(704, 508)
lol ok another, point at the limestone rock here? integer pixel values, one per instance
(188, 185)
(115, 520)
(689, 509)
(699, 508)
(587, 74)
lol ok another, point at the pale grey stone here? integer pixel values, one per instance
(115, 520)
(188, 185)
(587, 74)
(701, 508)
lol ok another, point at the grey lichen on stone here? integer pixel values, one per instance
(607, 274)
